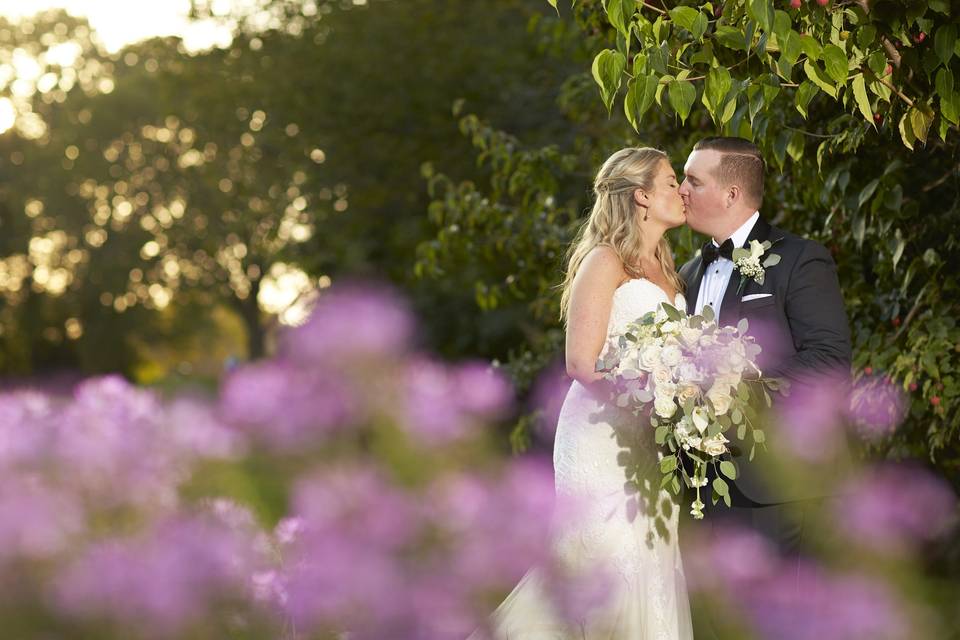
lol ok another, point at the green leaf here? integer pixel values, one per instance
(819, 78)
(730, 37)
(762, 12)
(835, 61)
(810, 47)
(920, 121)
(772, 260)
(949, 101)
(700, 26)
(553, 3)
(619, 13)
(684, 17)
(781, 26)
(608, 69)
(805, 94)
(790, 48)
(944, 42)
(660, 435)
(668, 464)
(720, 486)
(682, 96)
(715, 90)
(877, 62)
(759, 436)
(898, 249)
(860, 95)
(640, 96)
(728, 469)
(867, 192)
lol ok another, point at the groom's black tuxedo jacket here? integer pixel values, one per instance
(802, 328)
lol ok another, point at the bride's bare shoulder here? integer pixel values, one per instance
(601, 270)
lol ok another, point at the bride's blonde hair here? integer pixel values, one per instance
(612, 222)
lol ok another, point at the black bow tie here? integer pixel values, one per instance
(711, 252)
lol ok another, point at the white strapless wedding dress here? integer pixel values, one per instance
(607, 459)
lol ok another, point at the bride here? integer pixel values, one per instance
(620, 267)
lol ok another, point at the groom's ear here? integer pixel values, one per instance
(734, 194)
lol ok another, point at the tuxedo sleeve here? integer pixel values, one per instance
(816, 317)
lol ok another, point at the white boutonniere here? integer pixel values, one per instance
(753, 261)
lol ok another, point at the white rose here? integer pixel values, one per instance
(649, 357)
(666, 390)
(664, 406)
(661, 375)
(687, 392)
(719, 397)
(671, 355)
(756, 250)
(714, 446)
(701, 419)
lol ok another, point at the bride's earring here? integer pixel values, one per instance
(644, 216)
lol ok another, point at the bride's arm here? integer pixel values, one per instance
(591, 299)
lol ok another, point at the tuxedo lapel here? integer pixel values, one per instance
(693, 284)
(730, 307)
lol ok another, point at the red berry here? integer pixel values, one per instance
(935, 401)
(823, 3)
(795, 4)
(913, 386)
(896, 321)
(888, 70)
(878, 118)
(921, 37)
(868, 371)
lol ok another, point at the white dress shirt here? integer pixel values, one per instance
(715, 279)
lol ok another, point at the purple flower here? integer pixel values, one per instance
(164, 580)
(287, 406)
(36, 520)
(28, 422)
(112, 443)
(891, 507)
(444, 403)
(811, 418)
(549, 392)
(877, 407)
(351, 321)
(805, 603)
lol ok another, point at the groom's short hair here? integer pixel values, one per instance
(742, 164)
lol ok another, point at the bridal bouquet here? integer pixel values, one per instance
(698, 383)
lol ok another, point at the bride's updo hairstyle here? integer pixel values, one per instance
(613, 220)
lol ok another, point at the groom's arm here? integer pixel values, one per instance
(817, 319)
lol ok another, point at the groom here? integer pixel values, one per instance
(797, 314)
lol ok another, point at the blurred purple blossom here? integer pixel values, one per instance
(894, 506)
(811, 418)
(287, 406)
(790, 598)
(549, 392)
(877, 407)
(351, 321)
(163, 580)
(36, 520)
(443, 403)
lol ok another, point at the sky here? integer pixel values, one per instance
(120, 22)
